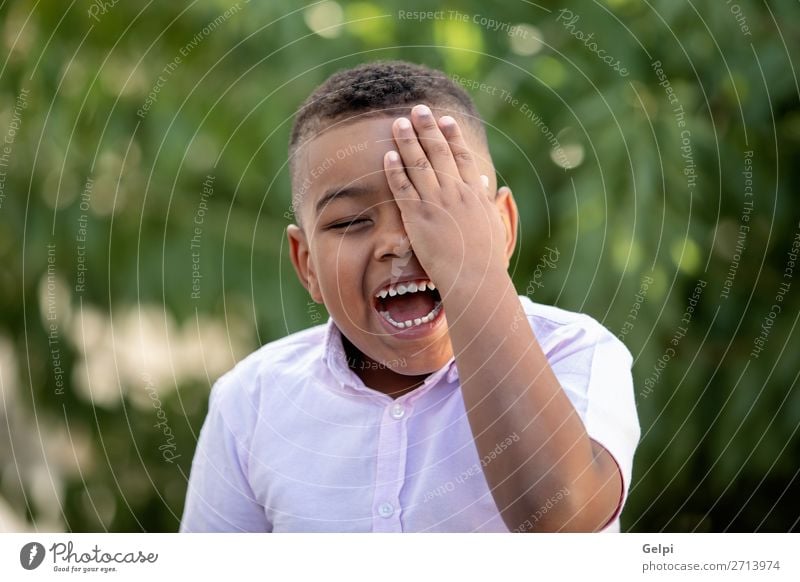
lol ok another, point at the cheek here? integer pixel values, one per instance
(342, 269)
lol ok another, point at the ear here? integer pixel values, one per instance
(508, 212)
(301, 259)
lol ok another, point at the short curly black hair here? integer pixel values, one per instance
(379, 88)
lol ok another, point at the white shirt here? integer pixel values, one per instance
(295, 442)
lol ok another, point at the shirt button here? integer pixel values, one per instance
(385, 509)
(398, 411)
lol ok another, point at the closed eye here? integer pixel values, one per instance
(346, 224)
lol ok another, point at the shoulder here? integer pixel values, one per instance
(559, 330)
(288, 357)
(594, 368)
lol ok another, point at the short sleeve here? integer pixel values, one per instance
(594, 368)
(219, 497)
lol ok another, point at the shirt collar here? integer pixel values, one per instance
(335, 359)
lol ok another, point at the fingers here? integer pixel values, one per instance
(464, 160)
(415, 159)
(399, 183)
(432, 155)
(435, 145)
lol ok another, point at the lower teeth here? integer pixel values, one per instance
(413, 322)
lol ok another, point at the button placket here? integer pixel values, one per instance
(391, 466)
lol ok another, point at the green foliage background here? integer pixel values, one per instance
(719, 447)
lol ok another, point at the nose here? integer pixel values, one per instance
(392, 240)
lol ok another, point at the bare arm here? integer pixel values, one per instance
(509, 388)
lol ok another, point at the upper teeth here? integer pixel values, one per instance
(406, 287)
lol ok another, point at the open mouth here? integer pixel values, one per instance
(408, 304)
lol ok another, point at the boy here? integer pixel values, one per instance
(435, 398)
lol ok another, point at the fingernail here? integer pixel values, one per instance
(403, 123)
(485, 180)
(423, 111)
(392, 156)
(447, 121)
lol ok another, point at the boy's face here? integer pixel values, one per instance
(352, 245)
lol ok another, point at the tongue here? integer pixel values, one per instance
(409, 306)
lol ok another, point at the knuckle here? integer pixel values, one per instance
(405, 186)
(463, 156)
(465, 191)
(440, 148)
(421, 163)
(428, 123)
(424, 211)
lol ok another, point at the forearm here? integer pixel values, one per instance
(508, 386)
(510, 390)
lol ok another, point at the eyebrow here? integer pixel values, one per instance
(339, 192)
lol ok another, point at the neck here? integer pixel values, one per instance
(377, 376)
